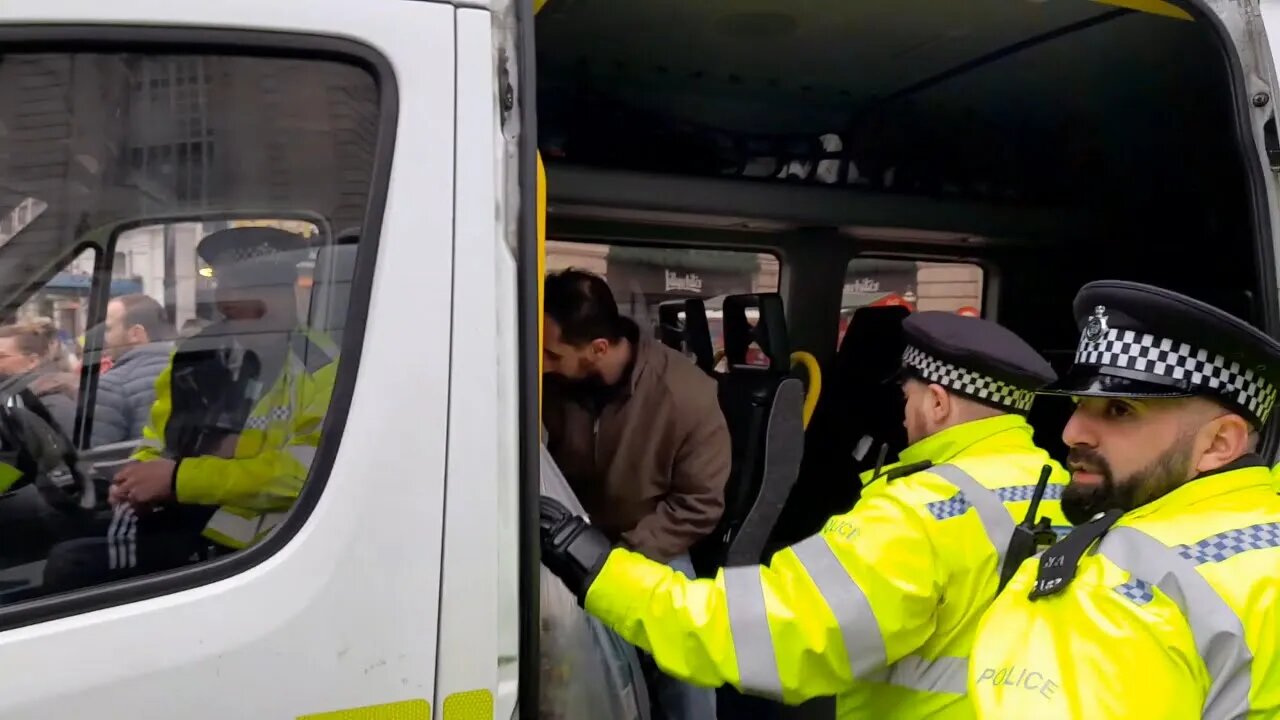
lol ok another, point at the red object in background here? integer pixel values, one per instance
(105, 365)
(969, 311)
(893, 300)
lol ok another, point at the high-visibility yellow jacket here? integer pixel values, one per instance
(879, 608)
(1174, 613)
(273, 453)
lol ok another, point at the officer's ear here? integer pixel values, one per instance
(1224, 439)
(938, 403)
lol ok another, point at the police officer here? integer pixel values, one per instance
(881, 606)
(234, 427)
(1163, 603)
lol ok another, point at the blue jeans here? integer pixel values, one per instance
(669, 698)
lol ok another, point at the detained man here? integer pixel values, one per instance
(637, 430)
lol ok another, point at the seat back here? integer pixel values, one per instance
(682, 325)
(1049, 414)
(856, 402)
(764, 409)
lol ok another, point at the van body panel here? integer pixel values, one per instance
(346, 614)
(479, 603)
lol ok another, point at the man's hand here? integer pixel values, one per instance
(571, 549)
(142, 484)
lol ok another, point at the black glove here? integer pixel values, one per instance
(571, 549)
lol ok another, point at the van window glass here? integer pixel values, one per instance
(211, 206)
(644, 277)
(59, 308)
(914, 284)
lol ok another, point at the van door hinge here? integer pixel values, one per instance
(1271, 142)
(506, 93)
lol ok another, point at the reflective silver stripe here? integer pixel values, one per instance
(996, 520)
(863, 642)
(151, 443)
(241, 530)
(1218, 632)
(304, 454)
(944, 674)
(749, 623)
(270, 520)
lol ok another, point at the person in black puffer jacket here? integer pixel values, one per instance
(137, 341)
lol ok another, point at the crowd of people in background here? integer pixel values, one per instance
(137, 341)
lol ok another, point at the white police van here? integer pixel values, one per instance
(1045, 143)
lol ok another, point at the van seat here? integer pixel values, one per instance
(856, 401)
(682, 325)
(764, 409)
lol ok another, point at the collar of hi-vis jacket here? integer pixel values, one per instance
(1058, 565)
(942, 446)
(1243, 474)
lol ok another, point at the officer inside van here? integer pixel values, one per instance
(234, 428)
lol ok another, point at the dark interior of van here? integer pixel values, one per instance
(1052, 142)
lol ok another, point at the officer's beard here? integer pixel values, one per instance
(1168, 472)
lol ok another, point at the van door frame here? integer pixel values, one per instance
(521, 97)
(1253, 79)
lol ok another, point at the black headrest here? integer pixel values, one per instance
(871, 328)
(769, 331)
(692, 334)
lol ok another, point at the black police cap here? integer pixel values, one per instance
(239, 244)
(975, 358)
(1138, 340)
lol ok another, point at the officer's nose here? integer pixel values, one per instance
(1080, 428)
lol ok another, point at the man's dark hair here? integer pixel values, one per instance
(143, 310)
(582, 305)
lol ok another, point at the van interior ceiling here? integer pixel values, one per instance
(1053, 141)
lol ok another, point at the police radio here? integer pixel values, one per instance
(1029, 535)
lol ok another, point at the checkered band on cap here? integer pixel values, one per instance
(1162, 357)
(967, 382)
(248, 252)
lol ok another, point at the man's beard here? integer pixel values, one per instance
(1169, 471)
(590, 386)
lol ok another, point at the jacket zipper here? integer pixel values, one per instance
(595, 442)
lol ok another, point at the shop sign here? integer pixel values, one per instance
(688, 282)
(864, 285)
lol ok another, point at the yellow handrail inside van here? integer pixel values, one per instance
(1154, 7)
(542, 261)
(542, 243)
(813, 388)
(813, 385)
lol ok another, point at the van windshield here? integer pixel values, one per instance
(168, 232)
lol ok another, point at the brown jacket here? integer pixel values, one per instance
(650, 467)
